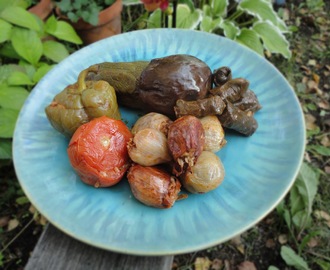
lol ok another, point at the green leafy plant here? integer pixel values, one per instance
(29, 48)
(86, 10)
(253, 23)
(297, 214)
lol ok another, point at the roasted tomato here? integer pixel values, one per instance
(98, 151)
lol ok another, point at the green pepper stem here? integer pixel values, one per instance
(82, 77)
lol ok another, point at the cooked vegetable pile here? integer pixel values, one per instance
(173, 144)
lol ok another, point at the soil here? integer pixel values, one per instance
(259, 247)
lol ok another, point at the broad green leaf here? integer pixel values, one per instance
(293, 259)
(27, 68)
(5, 149)
(206, 24)
(8, 119)
(273, 40)
(8, 50)
(6, 70)
(186, 18)
(250, 39)
(320, 149)
(12, 97)
(301, 220)
(260, 8)
(229, 28)
(307, 183)
(207, 11)
(19, 78)
(55, 51)
(42, 71)
(27, 44)
(219, 7)
(17, 3)
(272, 268)
(21, 17)
(154, 19)
(22, 200)
(189, 3)
(5, 30)
(64, 31)
(51, 24)
(297, 203)
(287, 217)
(209, 25)
(323, 264)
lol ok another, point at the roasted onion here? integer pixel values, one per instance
(153, 186)
(214, 133)
(152, 120)
(206, 175)
(149, 147)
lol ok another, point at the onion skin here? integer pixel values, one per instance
(207, 174)
(153, 186)
(149, 147)
(214, 133)
(98, 152)
(186, 142)
(153, 120)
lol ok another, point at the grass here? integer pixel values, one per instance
(308, 71)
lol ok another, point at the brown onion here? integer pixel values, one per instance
(149, 147)
(185, 141)
(153, 186)
(214, 133)
(152, 120)
(207, 174)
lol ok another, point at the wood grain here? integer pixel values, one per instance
(56, 250)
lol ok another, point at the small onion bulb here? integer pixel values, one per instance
(207, 174)
(214, 133)
(149, 147)
(152, 120)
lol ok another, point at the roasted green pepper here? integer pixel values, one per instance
(81, 102)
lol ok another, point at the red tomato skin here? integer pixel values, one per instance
(98, 151)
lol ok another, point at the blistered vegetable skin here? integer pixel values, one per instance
(167, 79)
(207, 174)
(186, 142)
(98, 152)
(78, 103)
(153, 186)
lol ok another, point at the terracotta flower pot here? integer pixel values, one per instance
(43, 9)
(109, 24)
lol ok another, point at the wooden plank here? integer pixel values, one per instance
(56, 250)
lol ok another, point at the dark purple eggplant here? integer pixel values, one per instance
(167, 79)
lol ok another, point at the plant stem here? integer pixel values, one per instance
(17, 235)
(235, 15)
(246, 23)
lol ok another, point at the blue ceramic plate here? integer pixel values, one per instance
(259, 169)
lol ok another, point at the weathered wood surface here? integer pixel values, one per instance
(58, 251)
